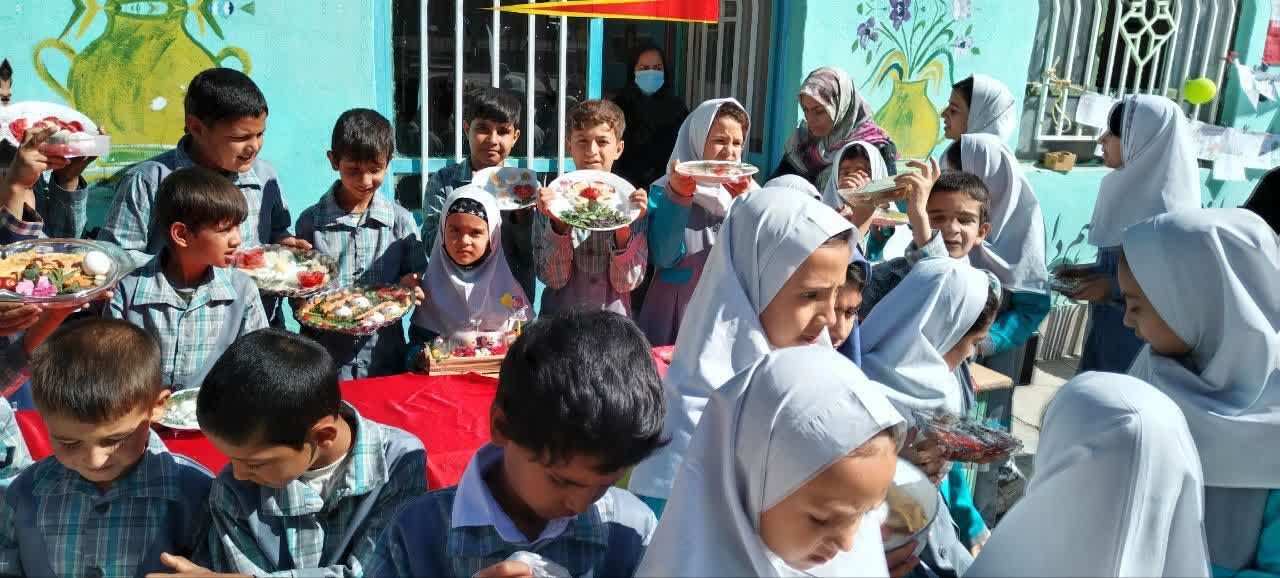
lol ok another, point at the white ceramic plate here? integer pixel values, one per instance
(34, 112)
(616, 189)
(910, 480)
(503, 182)
(716, 172)
(180, 410)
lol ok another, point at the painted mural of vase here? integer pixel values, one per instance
(132, 78)
(910, 118)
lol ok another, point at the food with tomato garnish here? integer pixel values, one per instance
(713, 172)
(288, 271)
(514, 188)
(966, 440)
(76, 135)
(358, 310)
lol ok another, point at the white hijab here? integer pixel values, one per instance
(991, 109)
(457, 296)
(1160, 173)
(1014, 250)
(796, 183)
(766, 432)
(690, 143)
(766, 237)
(919, 321)
(879, 170)
(1116, 490)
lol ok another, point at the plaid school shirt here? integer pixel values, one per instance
(193, 334)
(886, 275)
(15, 457)
(461, 530)
(53, 522)
(130, 221)
(294, 531)
(586, 268)
(379, 246)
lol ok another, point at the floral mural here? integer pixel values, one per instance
(913, 44)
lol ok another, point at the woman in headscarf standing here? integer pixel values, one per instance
(654, 114)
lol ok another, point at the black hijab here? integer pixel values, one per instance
(1265, 200)
(653, 121)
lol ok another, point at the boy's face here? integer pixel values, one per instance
(103, 452)
(955, 118)
(360, 179)
(1143, 318)
(550, 491)
(209, 245)
(491, 142)
(806, 303)
(276, 465)
(819, 520)
(595, 148)
(724, 141)
(848, 300)
(958, 218)
(466, 238)
(229, 145)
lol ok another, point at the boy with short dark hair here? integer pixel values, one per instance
(111, 499)
(311, 483)
(569, 419)
(373, 239)
(593, 269)
(186, 296)
(491, 118)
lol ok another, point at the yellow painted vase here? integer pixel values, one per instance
(910, 119)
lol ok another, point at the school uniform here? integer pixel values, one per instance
(462, 530)
(64, 212)
(15, 456)
(13, 357)
(53, 522)
(377, 247)
(587, 269)
(297, 531)
(886, 275)
(991, 109)
(193, 325)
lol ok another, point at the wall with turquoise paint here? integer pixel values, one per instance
(312, 59)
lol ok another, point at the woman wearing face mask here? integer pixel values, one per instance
(654, 114)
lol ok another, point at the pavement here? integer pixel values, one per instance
(1029, 401)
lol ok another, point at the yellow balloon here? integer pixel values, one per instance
(1199, 90)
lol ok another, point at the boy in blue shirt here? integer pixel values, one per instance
(111, 499)
(569, 419)
(311, 484)
(186, 296)
(373, 240)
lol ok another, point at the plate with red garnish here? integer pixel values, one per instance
(593, 200)
(77, 136)
(287, 271)
(513, 187)
(716, 172)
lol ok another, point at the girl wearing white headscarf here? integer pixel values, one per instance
(980, 104)
(470, 297)
(770, 431)
(915, 342)
(1148, 143)
(682, 229)
(796, 183)
(1201, 288)
(837, 117)
(1116, 490)
(765, 239)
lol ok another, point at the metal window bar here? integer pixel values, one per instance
(530, 89)
(1148, 42)
(495, 46)
(563, 87)
(712, 46)
(458, 78)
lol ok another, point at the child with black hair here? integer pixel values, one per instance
(980, 104)
(491, 119)
(373, 239)
(570, 417)
(111, 500)
(226, 118)
(311, 483)
(846, 336)
(186, 296)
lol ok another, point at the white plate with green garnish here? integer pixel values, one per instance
(593, 200)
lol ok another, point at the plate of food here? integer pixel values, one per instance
(180, 410)
(356, 310)
(593, 200)
(287, 271)
(60, 273)
(888, 218)
(77, 135)
(716, 172)
(964, 439)
(514, 188)
(910, 507)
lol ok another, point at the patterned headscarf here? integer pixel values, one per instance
(850, 117)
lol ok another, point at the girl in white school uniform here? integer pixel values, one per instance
(1116, 490)
(781, 479)
(1148, 143)
(980, 104)
(770, 283)
(1201, 288)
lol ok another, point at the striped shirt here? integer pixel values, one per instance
(15, 456)
(584, 268)
(192, 334)
(53, 522)
(294, 531)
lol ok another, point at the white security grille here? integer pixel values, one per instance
(728, 59)
(1119, 47)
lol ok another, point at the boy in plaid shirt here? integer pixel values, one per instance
(111, 499)
(311, 484)
(374, 240)
(186, 296)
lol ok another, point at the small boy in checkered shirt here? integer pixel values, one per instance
(186, 296)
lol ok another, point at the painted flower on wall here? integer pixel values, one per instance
(867, 32)
(899, 12)
(963, 46)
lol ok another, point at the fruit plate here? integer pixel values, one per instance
(888, 218)
(180, 411)
(78, 137)
(287, 271)
(54, 272)
(910, 508)
(964, 439)
(593, 200)
(716, 172)
(355, 310)
(513, 187)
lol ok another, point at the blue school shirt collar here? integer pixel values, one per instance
(182, 159)
(154, 476)
(154, 287)
(330, 213)
(475, 506)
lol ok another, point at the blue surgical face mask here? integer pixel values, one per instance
(649, 81)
